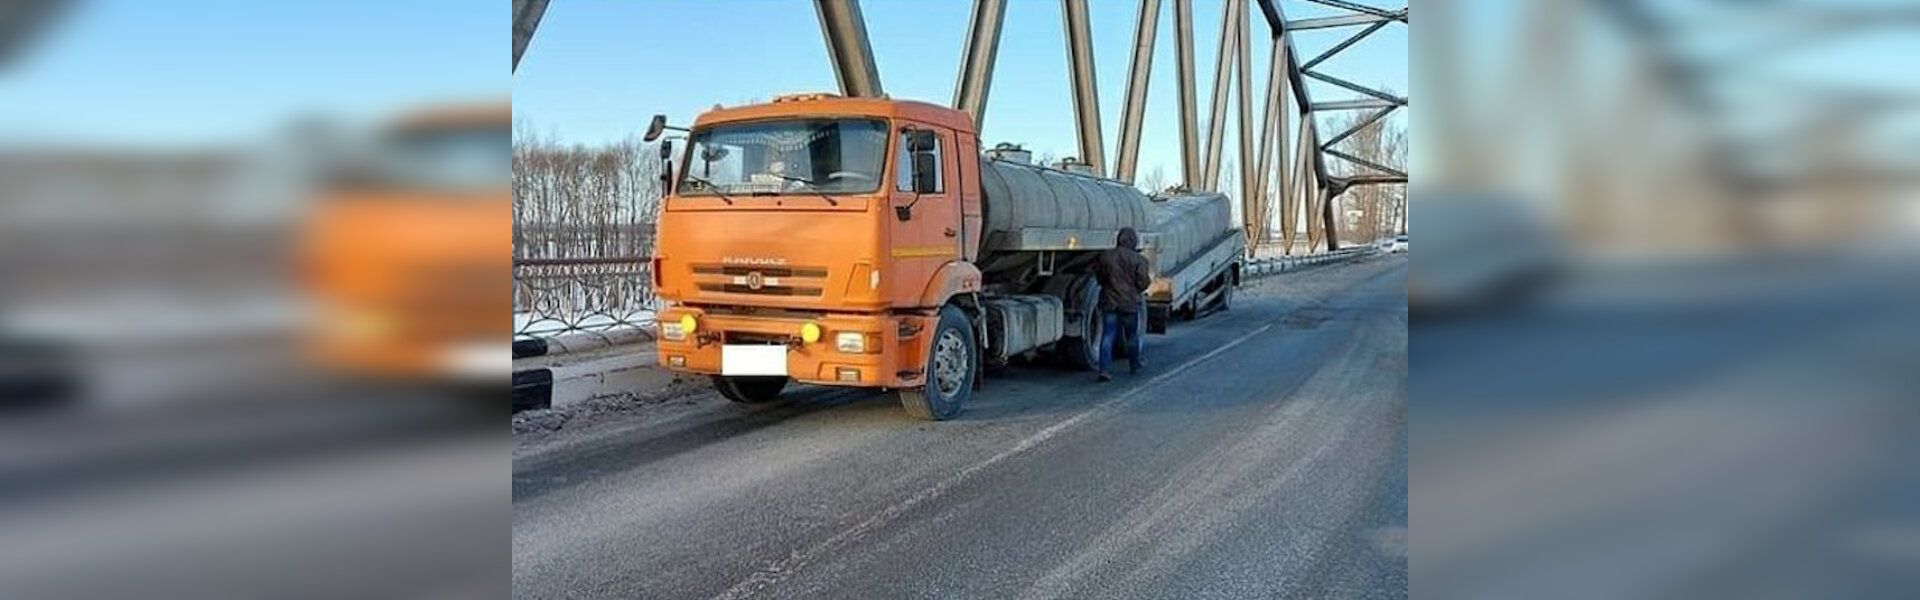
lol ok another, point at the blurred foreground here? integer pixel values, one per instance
(253, 301)
(1679, 361)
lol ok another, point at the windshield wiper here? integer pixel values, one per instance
(712, 186)
(812, 188)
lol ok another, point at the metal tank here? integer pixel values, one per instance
(1186, 225)
(1031, 208)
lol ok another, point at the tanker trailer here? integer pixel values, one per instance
(1196, 250)
(1044, 229)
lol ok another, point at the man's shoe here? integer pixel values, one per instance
(1103, 377)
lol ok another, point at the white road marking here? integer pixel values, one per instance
(780, 569)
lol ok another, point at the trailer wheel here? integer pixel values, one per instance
(1083, 353)
(950, 373)
(749, 390)
(1226, 296)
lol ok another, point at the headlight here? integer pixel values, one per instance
(850, 342)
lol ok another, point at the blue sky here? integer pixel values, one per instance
(199, 72)
(597, 70)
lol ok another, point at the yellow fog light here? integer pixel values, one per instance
(688, 324)
(810, 333)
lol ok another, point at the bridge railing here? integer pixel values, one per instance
(557, 296)
(1261, 266)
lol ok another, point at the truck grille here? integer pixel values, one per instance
(795, 282)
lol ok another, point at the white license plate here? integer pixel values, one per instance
(478, 361)
(753, 360)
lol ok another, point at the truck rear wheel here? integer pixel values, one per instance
(950, 370)
(749, 390)
(1082, 353)
(1157, 316)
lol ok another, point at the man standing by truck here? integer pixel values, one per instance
(1124, 278)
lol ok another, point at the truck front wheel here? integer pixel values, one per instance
(749, 390)
(949, 372)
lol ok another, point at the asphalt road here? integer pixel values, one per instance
(1263, 454)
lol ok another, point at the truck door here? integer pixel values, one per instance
(924, 229)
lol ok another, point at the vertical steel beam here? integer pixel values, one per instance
(1139, 72)
(1314, 187)
(1273, 126)
(1243, 83)
(1296, 192)
(1326, 214)
(1086, 93)
(1222, 75)
(976, 60)
(847, 47)
(1189, 125)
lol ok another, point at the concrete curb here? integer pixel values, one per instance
(580, 342)
(563, 379)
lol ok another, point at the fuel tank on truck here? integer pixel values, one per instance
(1031, 208)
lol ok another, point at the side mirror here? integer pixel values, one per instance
(925, 169)
(655, 128)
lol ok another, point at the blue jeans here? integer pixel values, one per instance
(1117, 324)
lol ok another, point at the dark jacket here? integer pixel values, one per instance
(1123, 275)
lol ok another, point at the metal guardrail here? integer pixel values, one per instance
(555, 296)
(1261, 267)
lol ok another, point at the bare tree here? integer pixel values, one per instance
(1155, 181)
(1369, 212)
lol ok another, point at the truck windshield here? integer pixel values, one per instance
(809, 156)
(441, 158)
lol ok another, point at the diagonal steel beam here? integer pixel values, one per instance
(1362, 103)
(1274, 126)
(1344, 21)
(1139, 72)
(1365, 163)
(526, 19)
(1277, 26)
(847, 47)
(1189, 122)
(1243, 85)
(1343, 45)
(1222, 75)
(1086, 92)
(976, 60)
(1354, 6)
(1376, 116)
(1357, 87)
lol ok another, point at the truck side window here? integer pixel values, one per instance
(908, 166)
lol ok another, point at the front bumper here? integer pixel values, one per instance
(389, 345)
(895, 354)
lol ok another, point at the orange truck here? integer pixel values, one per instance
(405, 253)
(869, 242)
